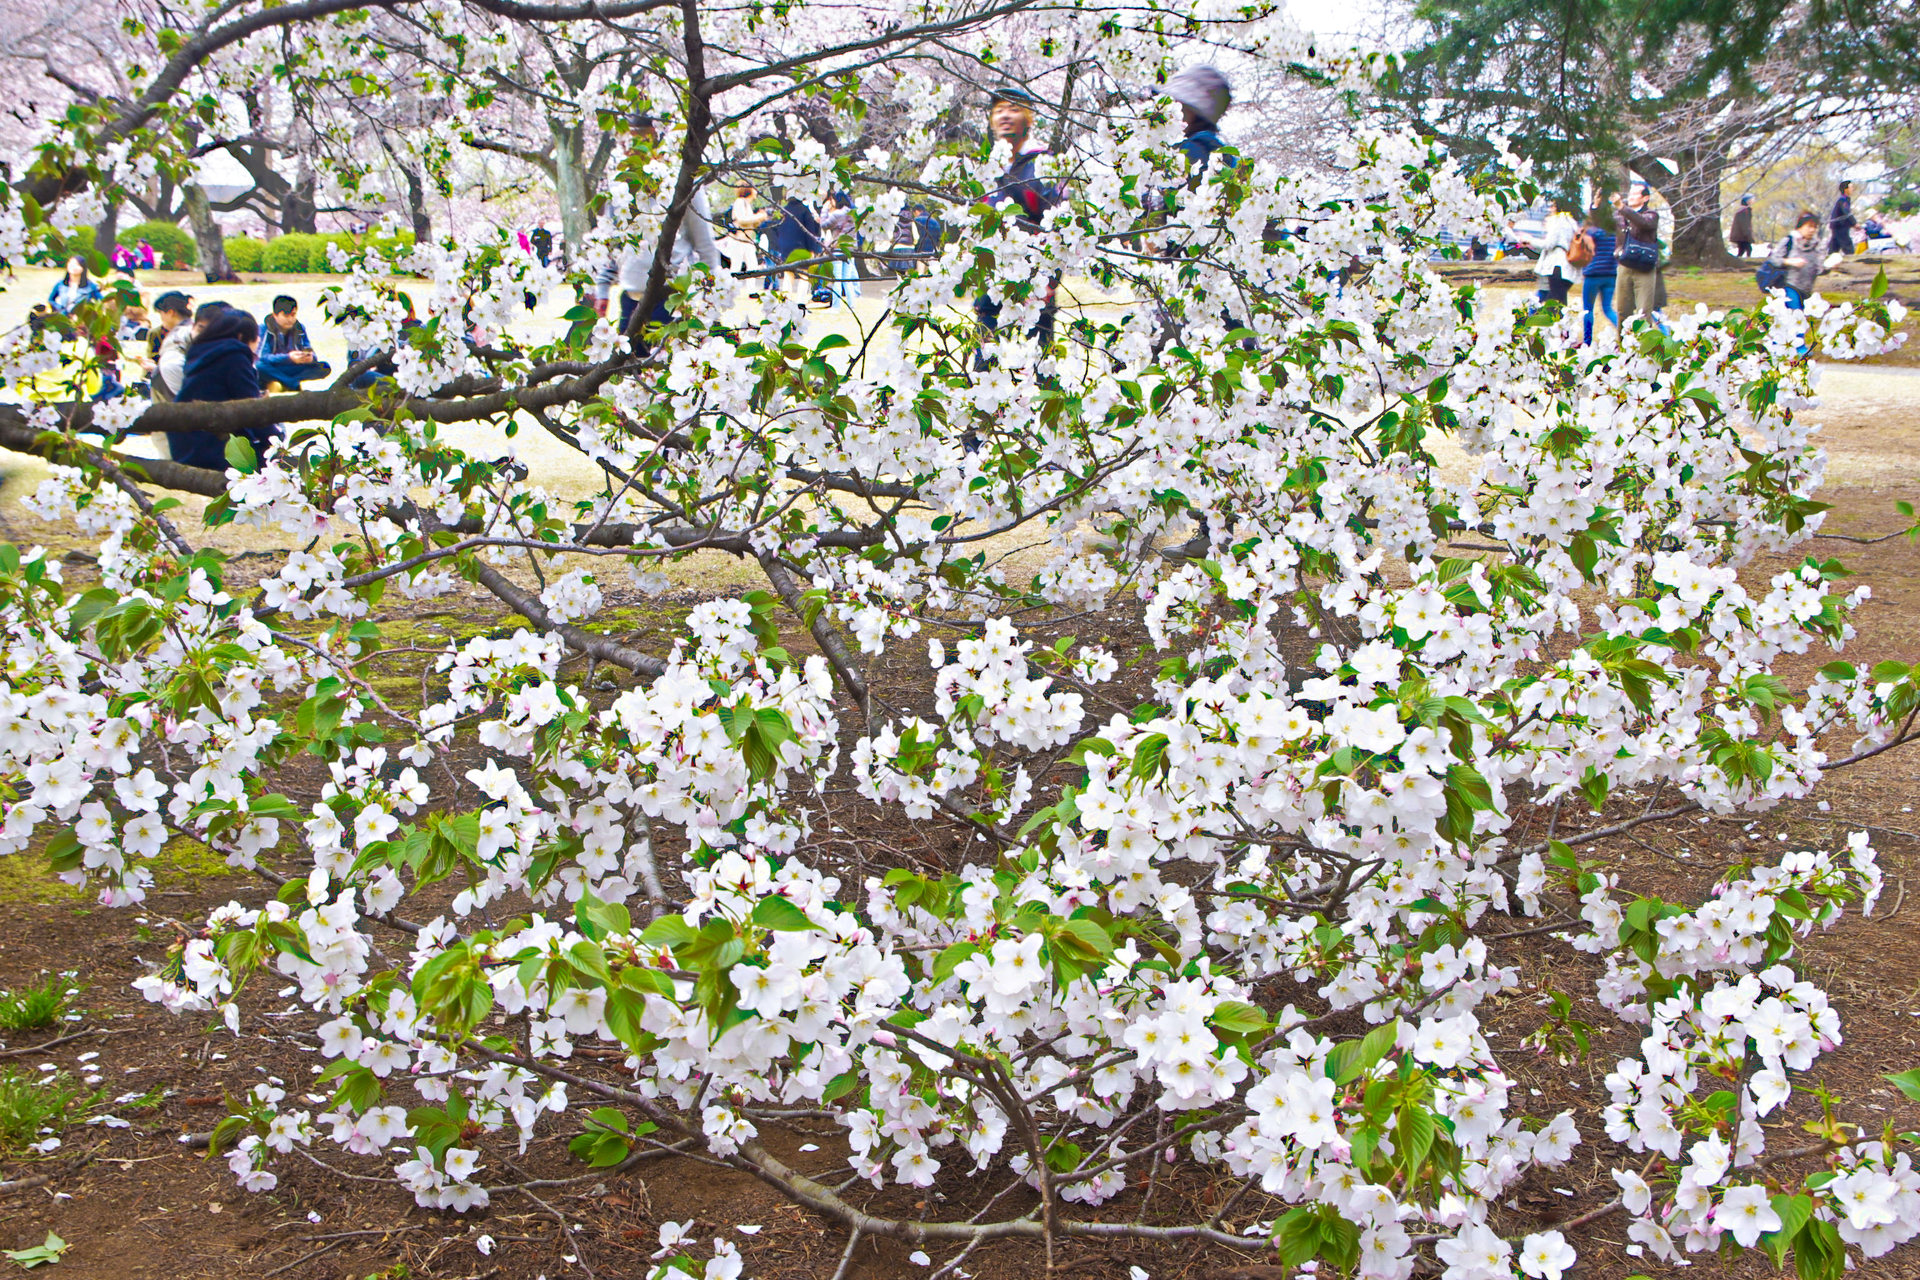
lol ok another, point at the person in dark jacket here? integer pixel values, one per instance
(220, 367)
(1637, 254)
(1598, 276)
(1010, 116)
(1841, 220)
(797, 231)
(286, 353)
(1742, 234)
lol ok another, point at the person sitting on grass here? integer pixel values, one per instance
(286, 354)
(220, 368)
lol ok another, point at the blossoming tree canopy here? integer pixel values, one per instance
(1459, 571)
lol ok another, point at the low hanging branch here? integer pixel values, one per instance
(1054, 932)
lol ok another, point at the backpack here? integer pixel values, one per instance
(1580, 252)
(1770, 275)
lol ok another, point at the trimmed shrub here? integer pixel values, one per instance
(244, 253)
(172, 246)
(292, 252)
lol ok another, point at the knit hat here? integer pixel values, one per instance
(1203, 88)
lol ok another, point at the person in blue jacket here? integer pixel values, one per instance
(1010, 118)
(1598, 276)
(74, 288)
(286, 353)
(220, 367)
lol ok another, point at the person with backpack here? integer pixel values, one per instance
(1636, 252)
(1556, 269)
(1742, 231)
(1796, 262)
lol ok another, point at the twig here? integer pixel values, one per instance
(325, 1248)
(566, 1230)
(78, 1035)
(22, 1184)
(846, 1255)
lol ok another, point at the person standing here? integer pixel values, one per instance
(220, 367)
(1799, 255)
(747, 218)
(286, 353)
(1841, 220)
(1598, 276)
(694, 242)
(74, 288)
(797, 231)
(1555, 269)
(1637, 253)
(837, 228)
(1010, 117)
(1742, 231)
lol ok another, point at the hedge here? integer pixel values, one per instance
(244, 253)
(174, 247)
(299, 251)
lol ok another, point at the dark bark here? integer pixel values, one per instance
(417, 206)
(297, 212)
(207, 236)
(107, 228)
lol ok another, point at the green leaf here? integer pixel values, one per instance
(1150, 755)
(672, 932)
(1353, 1059)
(240, 455)
(1794, 1212)
(1239, 1017)
(40, 1254)
(1908, 1082)
(780, 913)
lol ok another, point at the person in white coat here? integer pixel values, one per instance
(1557, 275)
(695, 243)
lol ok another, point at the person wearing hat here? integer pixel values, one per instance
(1204, 96)
(1742, 235)
(1010, 118)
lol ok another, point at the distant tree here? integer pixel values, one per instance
(1673, 91)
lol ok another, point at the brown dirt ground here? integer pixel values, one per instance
(136, 1204)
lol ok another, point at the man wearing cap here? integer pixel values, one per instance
(1010, 117)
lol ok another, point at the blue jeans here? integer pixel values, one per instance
(285, 369)
(1600, 287)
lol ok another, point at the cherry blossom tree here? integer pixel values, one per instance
(1452, 570)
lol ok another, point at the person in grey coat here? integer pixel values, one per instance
(1800, 255)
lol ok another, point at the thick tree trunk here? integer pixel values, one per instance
(207, 236)
(417, 206)
(570, 186)
(1699, 239)
(107, 228)
(296, 208)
